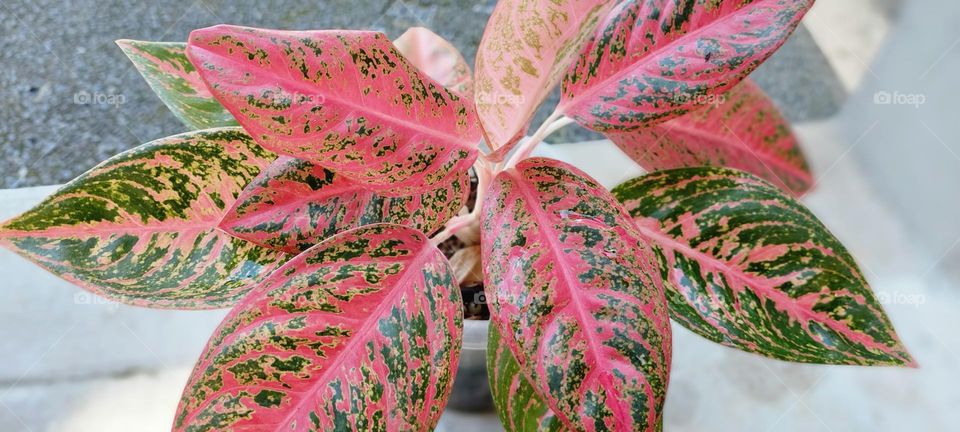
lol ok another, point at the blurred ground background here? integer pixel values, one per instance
(72, 99)
(871, 85)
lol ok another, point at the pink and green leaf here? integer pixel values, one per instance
(294, 204)
(751, 268)
(577, 296)
(141, 228)
(346, 100)
(743, 129)
(360, 332)
(173, 78)
(437, 58)
(526, 48)
(519, 406)
(653, 60)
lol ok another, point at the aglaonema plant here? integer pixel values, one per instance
(323, 171)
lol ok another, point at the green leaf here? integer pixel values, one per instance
(752, 268)
(174, 79)
(520, 407)
(141, 228)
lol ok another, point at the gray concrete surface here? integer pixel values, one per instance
(902, 126)
(71, 99)
(61, 51)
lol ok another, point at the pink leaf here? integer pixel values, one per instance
(437, 58)
(743, 129)
(526, 47)
(361, 332)
(295, 204)
(346, 100)
(654, 60)
(577, 296)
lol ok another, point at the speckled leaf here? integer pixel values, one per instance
(577, 296)
(174, 79)
(526, 47)
(753, 269)
(652, 60)
(141, 228)
(347, 100)
(437, 58)
(361, 332)
(519, 406)
(294, 204)
(743, 129)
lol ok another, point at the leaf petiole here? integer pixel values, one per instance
(555, 122)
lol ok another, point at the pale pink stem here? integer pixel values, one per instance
(455, 224)
(555, 122)
(484, 176)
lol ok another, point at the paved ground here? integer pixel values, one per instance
(61, 54)
(58, 52)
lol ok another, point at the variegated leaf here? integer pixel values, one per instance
(577, 296)
(141, 228)
(526, 48)
(294, 204)
(173, 78)
(347, 100)
(519, 406)
(743, 129)
(751, 268)
(361, 332)
(437, 58)
(652, 60)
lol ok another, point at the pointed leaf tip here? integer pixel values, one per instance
(751, 268)
(173, 78)
(140, 228)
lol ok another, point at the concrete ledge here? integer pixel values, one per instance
(50, 330)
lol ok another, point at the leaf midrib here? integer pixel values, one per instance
(356, 339)
(752, 282)
(591, 91)
(533, 203)
(309, 89)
